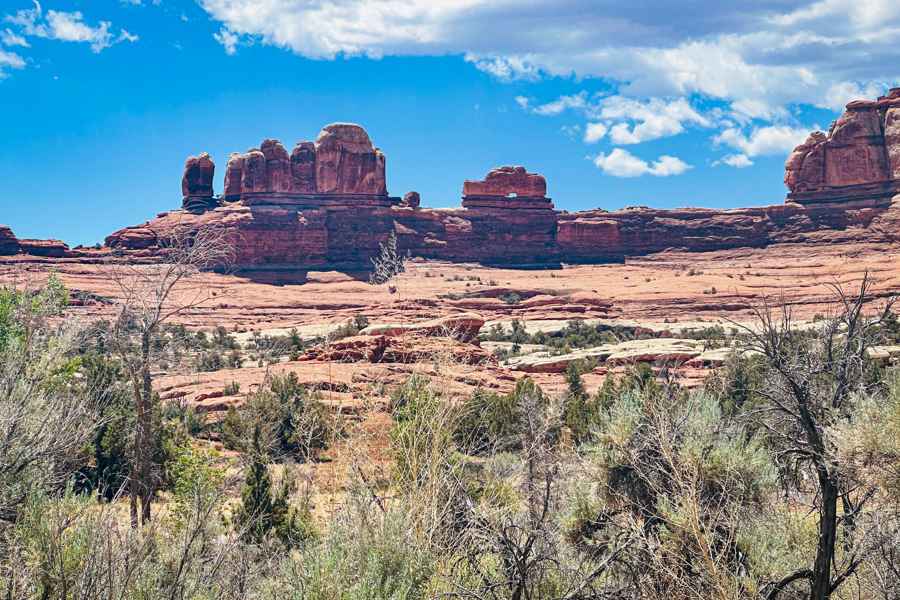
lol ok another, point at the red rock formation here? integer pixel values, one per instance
(859, 158)
(303, 168)
(49, 248)
(405, 349)
(347, 163)
(411, 200)
(278, 167)
(9, 244)
(463, 327)
(508, 182)
(197, 183)
(325, 206)
(233, 176)
(342, 168)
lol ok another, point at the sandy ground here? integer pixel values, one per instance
(666, 292)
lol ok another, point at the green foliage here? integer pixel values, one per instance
(511, 298)
(349, 329)
(580, 411)
(263, 514)
(293, 422)
(491, 422)
(21, 310)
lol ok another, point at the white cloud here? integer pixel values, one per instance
(621, 163)
(839, 94)
(558, 106)
(738, 161)
(11, 39)
(773, 139)
(66, 27)
(10, 60)
(505, 68)
(594, 132)
(653, 119)
(761, 55)
(228, 39)
(626, 120)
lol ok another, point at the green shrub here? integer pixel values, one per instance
(491, 422)
(294, 422)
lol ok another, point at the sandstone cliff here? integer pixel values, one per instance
(326, 205)
(858, 159)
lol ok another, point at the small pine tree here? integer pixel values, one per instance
(389, 263)
(255, 516)
(579, 413)
(261, 514)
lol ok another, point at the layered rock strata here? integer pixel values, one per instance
(325, 205)
(341, 168)
(197, 183)
(9, 244)
(857, 160)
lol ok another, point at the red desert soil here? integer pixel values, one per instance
(664, 291)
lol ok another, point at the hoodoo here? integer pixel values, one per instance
(326, 205)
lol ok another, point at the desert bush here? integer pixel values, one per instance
(264, 513)
(293, 421)
(46, 421)
(490, 422)
(349, 329)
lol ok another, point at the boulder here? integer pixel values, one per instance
(411, 200)
(406, 349)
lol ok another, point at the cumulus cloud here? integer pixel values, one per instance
(228, 39)
(621, 163)
(738, 161)
(66, 27)
(761, 55)
(773, 139)
(11, 39)
(10, 60)
(627, 120)
(653, 119)
(594, 132)
(558, 106)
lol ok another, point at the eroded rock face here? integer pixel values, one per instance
(347, 162)
(9, 244)
(278, 166)
(197, 182)
(340, 167)
(233, 175)
(508, 182)
(303, 168)
(859, 158)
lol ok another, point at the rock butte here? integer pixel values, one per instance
(325, 205)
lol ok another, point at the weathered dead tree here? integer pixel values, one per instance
(151, 295)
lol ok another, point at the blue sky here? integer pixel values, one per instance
(648, 102)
